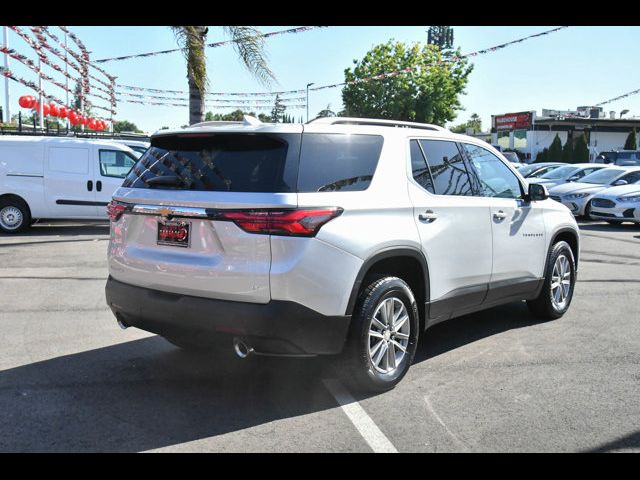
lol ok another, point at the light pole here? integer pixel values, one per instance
(308, 85)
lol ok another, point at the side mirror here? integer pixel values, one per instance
(573, 179)
(537, 192)
(620, 182)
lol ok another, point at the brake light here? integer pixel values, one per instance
(299, 223)
(116, 209)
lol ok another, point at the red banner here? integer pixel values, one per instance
(513, 121)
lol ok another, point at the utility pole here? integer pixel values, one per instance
(6, 79)
(66, 71)
(308, 85)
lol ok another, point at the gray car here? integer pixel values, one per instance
(577, 196)
(569, 173)
(342, 236)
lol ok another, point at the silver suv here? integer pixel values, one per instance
(341, 236)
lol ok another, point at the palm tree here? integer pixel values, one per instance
(248, 44)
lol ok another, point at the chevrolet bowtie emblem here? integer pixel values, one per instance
(165, 212)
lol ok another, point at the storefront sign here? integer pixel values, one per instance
(513, 121)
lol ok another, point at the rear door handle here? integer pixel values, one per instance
(89, 185)
(99, 186)
(499, 215)
(428, 216)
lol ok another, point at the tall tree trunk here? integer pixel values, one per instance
(196, 102)
(196, 95)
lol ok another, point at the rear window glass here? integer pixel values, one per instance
(219, 162)
(337, 162)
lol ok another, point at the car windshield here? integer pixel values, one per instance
(511, 156)
(560, 172)
(603, 176)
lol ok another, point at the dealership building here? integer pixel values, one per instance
(530, 134)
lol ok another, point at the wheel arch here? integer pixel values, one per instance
(570, 236)
(10, 196)
(407, 263)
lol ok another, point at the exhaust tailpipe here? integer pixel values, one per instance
(121, 323)
(242, 349)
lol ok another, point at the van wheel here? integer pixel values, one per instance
(14, 215)
(587, 211)
(560, 280)
(383, 335)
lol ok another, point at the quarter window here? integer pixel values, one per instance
(495, 179)
(448, 171)
(419, 167)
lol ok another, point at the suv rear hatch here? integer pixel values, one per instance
(196, 214)
(169, 234)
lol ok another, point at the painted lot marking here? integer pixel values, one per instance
(377, 440)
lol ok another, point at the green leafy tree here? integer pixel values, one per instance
(125, 126)
(567, 151)
(327, 112)
(543, 156)
(631, 143)
(278, 110)
(264, 118)
(430, 93)
(249, 46)
(474, 122)
(581, 152)
(555, 149)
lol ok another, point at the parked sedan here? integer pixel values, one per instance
(569, 173)
(617, 204)
(576, 196)
(534, 170)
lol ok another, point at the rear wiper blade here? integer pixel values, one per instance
(164, 180)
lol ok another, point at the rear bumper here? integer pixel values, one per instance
(278, 327)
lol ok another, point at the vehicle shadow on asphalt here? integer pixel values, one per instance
(460, 331)
(606, 227)
(82, 232)
(147, 394)
(631, 441)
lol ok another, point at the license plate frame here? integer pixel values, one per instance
(174, 233)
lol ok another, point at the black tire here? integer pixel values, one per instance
(544, 307)
(358, 361)
(587, 211)
(8, 207)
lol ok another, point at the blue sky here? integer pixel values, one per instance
(572, 67)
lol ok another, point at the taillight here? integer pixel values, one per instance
(300, 223)
(115, 210)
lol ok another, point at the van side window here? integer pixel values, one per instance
(447, 166)
(419, 167)
(115, 163)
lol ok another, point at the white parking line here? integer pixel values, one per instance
(377, 440)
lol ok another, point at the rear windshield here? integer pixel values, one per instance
(220, 162)
(258, 162)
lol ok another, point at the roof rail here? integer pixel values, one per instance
(216, 123)
(375, 122)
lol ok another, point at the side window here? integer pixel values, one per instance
(448, 171)
(115, 163)
(632, 177)
(495, 179)
(419, 167)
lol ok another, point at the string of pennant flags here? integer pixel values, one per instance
(250, 107)
(360, 80)
(611, 100)
(5, 72)
(211, 45)
(215, 100)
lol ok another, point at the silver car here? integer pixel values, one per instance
(569, 173)
(617, 204)
(342, 236)
(577, 196)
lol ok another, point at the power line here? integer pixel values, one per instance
(212, 45)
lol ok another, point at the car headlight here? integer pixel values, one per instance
(630, 198)
(574, 196)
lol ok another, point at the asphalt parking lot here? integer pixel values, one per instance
(72, 380)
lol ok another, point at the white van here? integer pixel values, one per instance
(58, 177)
